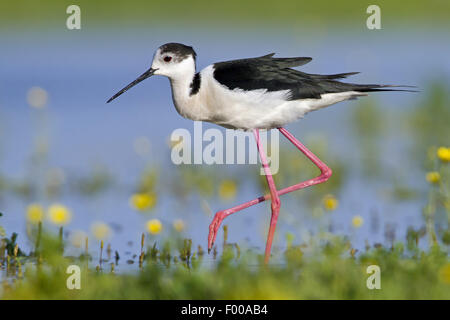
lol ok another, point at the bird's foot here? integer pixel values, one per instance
(214, 228)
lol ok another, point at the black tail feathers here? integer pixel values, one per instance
(383, 87)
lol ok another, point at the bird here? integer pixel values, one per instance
(253, 94)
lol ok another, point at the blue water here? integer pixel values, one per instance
(81, 70)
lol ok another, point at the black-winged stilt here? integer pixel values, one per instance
(252, 94)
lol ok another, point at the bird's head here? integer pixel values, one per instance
(173, 60)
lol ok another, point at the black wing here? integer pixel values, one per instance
(275, 74)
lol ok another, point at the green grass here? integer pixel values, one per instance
(317, 270)
(219, 14)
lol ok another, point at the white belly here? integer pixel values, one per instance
(270, 113)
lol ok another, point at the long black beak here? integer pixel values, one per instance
(143, 76)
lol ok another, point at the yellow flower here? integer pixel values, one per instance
(101, 230)
(444, 273)
(357, 221)
(178, 225)
(154, 226)
(433, 177)
(227, 189)
(59, 214)
(330, 202)
(143, 201)
(35, 213)
(444, 154)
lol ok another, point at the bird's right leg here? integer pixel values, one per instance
(275, 198)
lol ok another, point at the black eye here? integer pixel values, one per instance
(167, 58)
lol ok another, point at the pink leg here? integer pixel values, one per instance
(325, 174)
(273, 195)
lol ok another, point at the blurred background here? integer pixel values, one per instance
(104, 171)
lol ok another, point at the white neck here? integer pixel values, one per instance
(186, 104)
(181, 88)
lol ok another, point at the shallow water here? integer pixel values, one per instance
(81, 70)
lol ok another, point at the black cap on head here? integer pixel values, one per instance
(179, 49)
